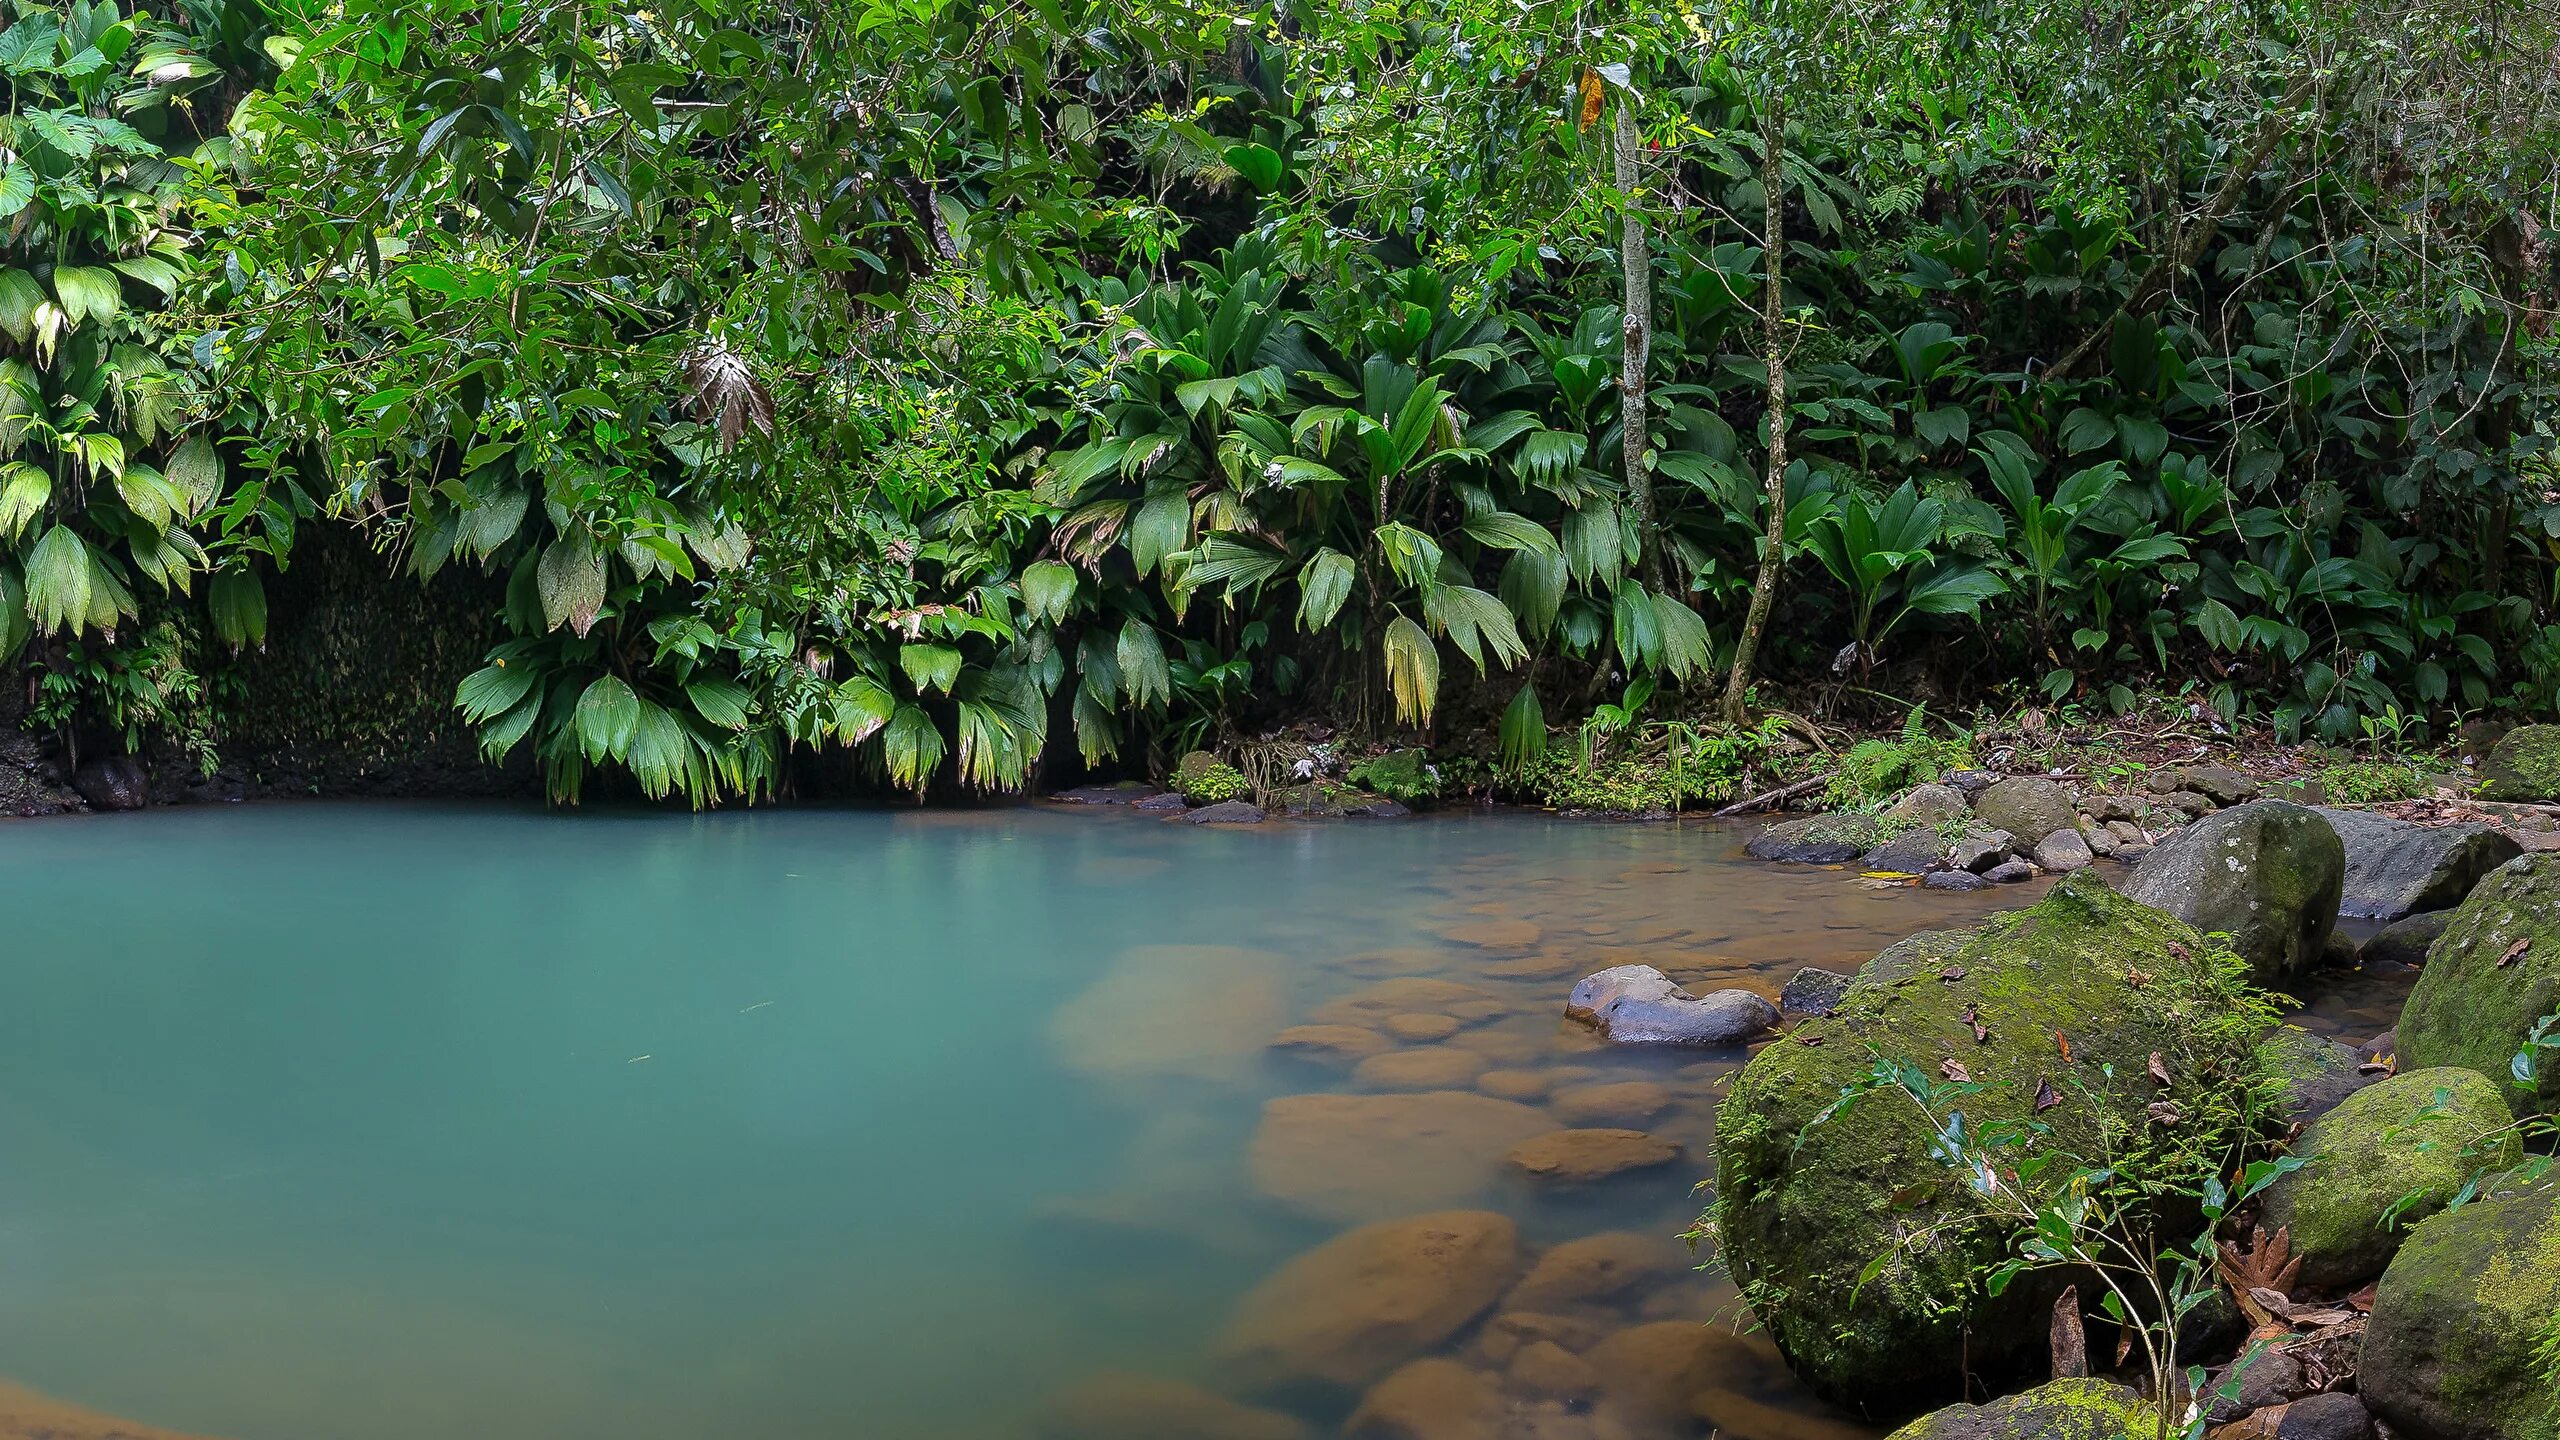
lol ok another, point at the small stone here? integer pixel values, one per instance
(2222, 784)
(2062, 851)
(1575, 1157)
(2333, 1415)
(1418, 1028)
(1225, 812)
(2186, 803)
(1816, 992)
(1969, 782)
(1979, 850)
(2096, 837)
(1626, 1102)
(2009, 872)
(2112, 808)
(1953, 880)
(2270, 1377)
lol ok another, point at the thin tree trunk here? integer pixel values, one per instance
(1635, 261)
(1773, 480)
(2189, 241)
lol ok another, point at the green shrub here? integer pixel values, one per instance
(1875, 770)
(2365, 782)
(1406, 776)
(1667, 765)
(1209, 784)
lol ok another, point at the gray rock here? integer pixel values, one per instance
(2222, 784)
(1928, 805)
(1162, 802)
(2115, 807)
(2332, 1415)
(113, 782)
(2009, 872)
(1979, 850)
(1812, 992)
(2266, 874)
(1122, 792)
(2125, 832)
(2318, 1074)
(2379, 1049)
(1953, 880)
(2403, 943)
(1376, 807)
(2095, 836)
(2270, 1377)
(2026, 806)
(1639, 1005)
(1817, 839)
(2063, 851)
(2396, 868)
(2340, 952)
(1913, 852)
(1969, 782)
(2185, 803)
(1226, 812)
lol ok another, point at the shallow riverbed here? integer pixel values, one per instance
(376, 1122)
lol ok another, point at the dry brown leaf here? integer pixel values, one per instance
(2065, 1042)
(2159, 1071)
(2046, 1096)
(1956, 1072)
(2515, 952)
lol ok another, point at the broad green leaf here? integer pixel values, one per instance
(17, 187)
(1323, 586)
(607, 716)
(87, 292)
(913, 748)
(60, 581)
(1144, 673)
(195, 467)
(24, 489)
(722, 702)
(1523, 731)
(20, 294)
(485, 693)
(1049, 590)
(930, 667)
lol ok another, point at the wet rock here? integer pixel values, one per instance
(113, 782)
(1225, 812)
(1653, 1373)
(2493, 973)
(2380, 1050)
(2009, 872)
(2317, 1073)
(1817, 839)
(1468, 1004)
(1361, 1304)
(1503, 1336)
(1812, 992)
(1953, 880)
(2403, 943)
(1928, 807)
(1803, 1207)
(1545, 1370)
(2340, 952)
(2125, 832)
(1602, 1269)
(2523, 766)
(1122, 792)
(1416, 1028)
(1637, 1004)
(1432, 1067)
(2384, 1159)
(1137, 1407)
(1979, 850)
(1515, 1084)
(1581, 1157)
(1342, 1044)
(1624, 1102)
(2063, 851)
(1314, 800)
(1164, 802)
(2333, 1415)
(2028, 807)
(1910, 853)
(1201, 1011)
(1497, 934)
(2396, 868)
(1430, 1400)
(1375, 807)
(2455, 1349)
(2253, 1382)
(2268, 875)
(2057, 1410)
(1360, 1157)
(2219, 783)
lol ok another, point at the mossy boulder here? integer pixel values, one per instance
(2492, 974)
(2317, 1074)
(2268, 875)
(2059, 1410)
(2464, 1343)
(2523, 765)
(1405, 776)
(2387, 1157)
(1808, 1195)
(2029, 807)
(1818, 839)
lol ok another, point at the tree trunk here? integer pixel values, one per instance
(1635, 261)
(1773, 347)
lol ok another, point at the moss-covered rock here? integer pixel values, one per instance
(2316, 1074)
(2460, 1344)
(1406, 776)
(2416, 1137)
(2029, 807)
(1818, 839)
(1804, 1202)
(2523, 765)
(2268, 875)
(1204, 779)
(2059, 1410)
(2478, 998)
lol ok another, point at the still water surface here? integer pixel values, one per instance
(375, 1122)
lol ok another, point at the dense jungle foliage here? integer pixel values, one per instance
(953, 385)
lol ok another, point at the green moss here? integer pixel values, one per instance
(2524, 765)
(2366, 782)
(2455, 1345)
(1803, 1207)
(1401, 775)
(2479, 996)
(2084, 1409)
(2388, 1157)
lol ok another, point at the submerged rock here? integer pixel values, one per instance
(1594, 1270)
(1637, 1004)
(2394, 1152)
(1200, 1011)
(2493, 973)
(1432, 1067)
(2268, 875)
(1803, 1207)
(1360, 1157)
(1624, 1102)
(2462, 1337)
(1430, 1400)
(1818, 839)
(1340, 1044)
(2524, 765)
(1580, 1157)
(2396, 868)
(1363, 1303)
(1114, 1406)
(2059, 1410)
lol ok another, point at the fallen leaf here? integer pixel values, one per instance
(2164, 1112)
(1952, 974)
(1955, 1072)
(2363, 1299)
(2179, 950)
(2137, 978)
(2046, 1096)
(2515, 952)
(1981, 1032)
(2160, 1072)
(2379, 1065)
(2065, 1042)
(1808, 1039)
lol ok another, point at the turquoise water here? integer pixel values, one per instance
(375, 1122)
